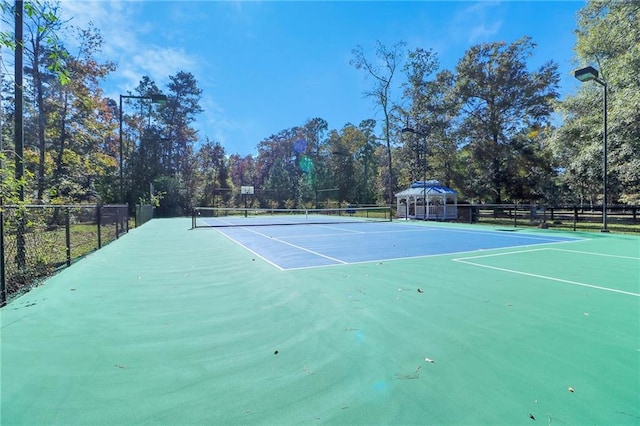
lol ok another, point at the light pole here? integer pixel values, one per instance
(424, 167)
(156, 99)
(588, 74)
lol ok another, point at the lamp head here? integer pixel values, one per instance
(158, 99)
(586, 74)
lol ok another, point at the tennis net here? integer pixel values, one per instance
(206, 217)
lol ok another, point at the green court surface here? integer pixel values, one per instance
(175, 326)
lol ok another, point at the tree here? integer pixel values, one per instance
(313, 153)
(420, 116)
(277, 167)
(381, 92)
(443, 156)
(81, 121)
(166, 138)
(178, 116)
(608, 36)
(368, 192)
(41, 45)
(242, 171)
(577, 148)
(212, 172)
(500, 99)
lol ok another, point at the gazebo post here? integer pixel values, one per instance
(426, 205)
(444, 206)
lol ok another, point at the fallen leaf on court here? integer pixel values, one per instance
(415, 375)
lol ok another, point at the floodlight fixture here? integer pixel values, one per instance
(586, 74)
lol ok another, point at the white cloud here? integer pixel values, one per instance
(126, 42)
(480, 21)
(484, 31)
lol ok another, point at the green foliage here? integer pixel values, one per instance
(152, 199)
(9, 185)
(172, 191)
(500, 99)
(608, 37)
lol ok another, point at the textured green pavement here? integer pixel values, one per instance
(175, 326)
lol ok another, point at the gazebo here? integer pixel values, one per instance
(441, 202)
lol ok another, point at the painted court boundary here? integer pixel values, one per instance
(468, 261)
(336, 260)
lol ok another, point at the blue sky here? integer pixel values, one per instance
(265, 66)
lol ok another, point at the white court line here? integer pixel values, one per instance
(549, 238)
(295, 246)
(411, 228)
(501, 254)
(346, 230)
(597, 287)
(341, 234)
(597, 254)
(251, 251)
(426, 256)
(338, 229)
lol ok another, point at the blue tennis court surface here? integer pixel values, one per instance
(306, 246)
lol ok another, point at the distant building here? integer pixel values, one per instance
(441, 202)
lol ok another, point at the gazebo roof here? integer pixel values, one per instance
(431, 187)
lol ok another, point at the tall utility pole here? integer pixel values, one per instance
(18, 117)
(18, 133)
(589, 74)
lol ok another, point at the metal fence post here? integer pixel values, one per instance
(99, 220)
(67, 229)
(117, 222)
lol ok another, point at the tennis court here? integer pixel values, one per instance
(294, 247)
(333, 323)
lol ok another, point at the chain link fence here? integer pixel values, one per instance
(37, 240)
